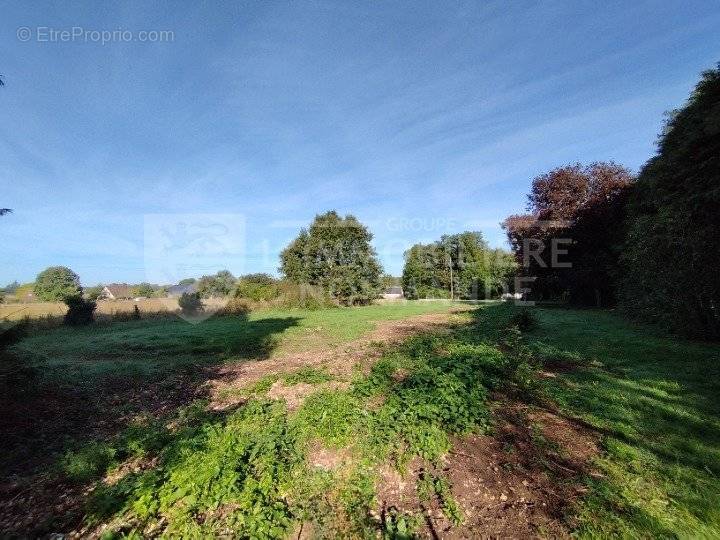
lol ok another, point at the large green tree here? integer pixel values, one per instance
(56, 283)
(218, 285)
(458, 265)
(335, 254)
(671, 258)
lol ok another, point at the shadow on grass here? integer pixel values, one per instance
(75, 384)
(654, 398)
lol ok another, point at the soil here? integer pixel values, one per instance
(226, 385)
(519, 482)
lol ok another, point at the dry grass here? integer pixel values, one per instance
(35, 310)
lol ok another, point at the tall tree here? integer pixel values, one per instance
(458, 265)
(56, 283)
(335, 254)
(670, 261)
(568, 241)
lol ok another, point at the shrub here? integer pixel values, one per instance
(136, 313)
(257, 287)
(190, 303)
(80, 311)
(236, 306)
(520, 366)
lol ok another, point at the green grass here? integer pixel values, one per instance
(245, 472)
(656, 399)
(154, 347)
(653, 399)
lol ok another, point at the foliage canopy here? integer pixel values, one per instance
(56, 283)
(463, 260)
(335, 254)
(671, 256)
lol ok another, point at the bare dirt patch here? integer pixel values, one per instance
(321, 457)
(228, 380)
(519, 482)
(295, 394)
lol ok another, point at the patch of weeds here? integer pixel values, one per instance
(142, 437)
(382, 375)
(262, 385)
(245, 463)
(312, 501)
(399, 525)
(525, 320)
(332, 416)
(357, 497)
(542, 443)
(307, 375)
(87, 462)
(426, 398)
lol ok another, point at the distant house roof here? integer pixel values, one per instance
(178, 290)
(117, 290)
(394, 290)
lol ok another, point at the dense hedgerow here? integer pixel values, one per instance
(669, 261)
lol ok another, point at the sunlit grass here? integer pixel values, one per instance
(153, 347)
(656, 400)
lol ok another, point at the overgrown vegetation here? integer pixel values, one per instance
(247, 472)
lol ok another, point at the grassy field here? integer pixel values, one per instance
(16, 311)
(149, 347)
(162, 461)
(656, 400)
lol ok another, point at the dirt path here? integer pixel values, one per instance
(519, 482)
(228, 379)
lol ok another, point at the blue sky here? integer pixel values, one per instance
(419, 118)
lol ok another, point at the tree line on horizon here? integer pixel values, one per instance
(593, 235)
